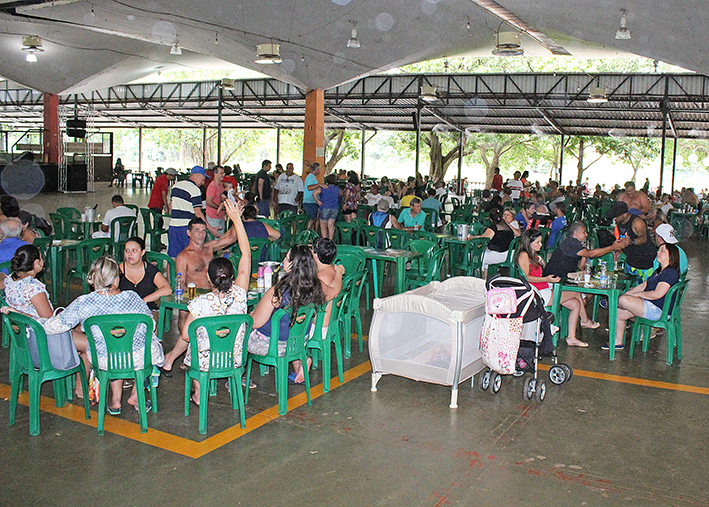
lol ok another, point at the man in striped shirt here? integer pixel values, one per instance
(186, 203)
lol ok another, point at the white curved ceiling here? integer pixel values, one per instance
(91, 45)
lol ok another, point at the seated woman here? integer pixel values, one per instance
(255, 228)
(108, 299)
(509, 217)
(646, 300)
(140, 276)
(228, 297)
(23, 292)
(299, 286)
(527, 258)
(500, 235)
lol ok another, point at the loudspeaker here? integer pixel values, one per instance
(76, 128)
(76, 178)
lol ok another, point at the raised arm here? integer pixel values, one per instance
(243, 276)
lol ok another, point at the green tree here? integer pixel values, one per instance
(635, 151)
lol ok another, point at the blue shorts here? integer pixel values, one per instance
(264, 208)
(650, 311)
(311, 209)
(328, 213)
(177, 240)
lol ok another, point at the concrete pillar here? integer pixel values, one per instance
(51, 135)
(314, 132)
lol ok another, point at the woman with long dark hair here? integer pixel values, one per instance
(299, 286)
(23, 292)
(646, 300)
(501, 235)
(140, 276)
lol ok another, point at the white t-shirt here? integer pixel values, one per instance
(516, 186)
(117, 212)
(288, 188)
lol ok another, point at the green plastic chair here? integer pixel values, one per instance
(670, 320)
(88, 251)
(126, 227)
(133, 207)
(300, 224)
(118, 332)
(345, 232)
(364, 210)
(372, 235)
(284, 214)
(295, 350)
(431, 219)
(396, 239)
(423, 246)
(165, 264)
(509, 262)
(57, 220)
(70, 213)
(21, 364)
(323, 346)
(306, 237)
(428, 236)
(430, 273)
(353, 259)
(5, 324)
(150, 228)
(222, 330)
(473, 257)
(355, 281)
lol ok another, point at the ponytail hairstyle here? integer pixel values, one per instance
(23, 260)
(221, 274)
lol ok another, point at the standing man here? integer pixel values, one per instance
(185, 204)
(289, 190)
(516, 186)
(215, 191)
(262, 189)
(159, 202)
(310, 205)
(638, 203)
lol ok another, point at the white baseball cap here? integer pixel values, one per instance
(666, 232)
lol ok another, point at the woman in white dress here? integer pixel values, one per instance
(228, 297)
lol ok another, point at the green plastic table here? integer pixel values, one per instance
(455, 248)
(89, 227)
(398, 257)
(613, 293)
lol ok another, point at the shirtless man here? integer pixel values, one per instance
(192, 262)
(635, 200)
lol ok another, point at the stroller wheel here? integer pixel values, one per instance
(496, 382)
(558, 375)
(541, 391)
(484, 380)
(569, 371)
(528, 392)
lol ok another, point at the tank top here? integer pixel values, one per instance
(638, 256)
(537, 271)
(144, 287)
(500, 242)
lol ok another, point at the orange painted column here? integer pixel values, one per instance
(314, 132)
(51, 128)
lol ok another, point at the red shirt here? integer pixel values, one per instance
(162, 184)
(497, 182)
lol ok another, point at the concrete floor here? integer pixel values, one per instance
(628, 432)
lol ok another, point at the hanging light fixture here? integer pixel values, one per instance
(597, 95)
(507, 43)
(428, 93)
(267, 54)
(32, 44)
(354, 41)
(176, 49)
(623, 33)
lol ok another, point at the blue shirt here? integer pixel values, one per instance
(521, 220)
(330, 197)
(310, 179)
(669, 276)
(556, 226)
(8, 247)
(682, 261)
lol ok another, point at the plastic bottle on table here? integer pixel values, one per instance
(267, 276)
(604, 274)
(260, 280)
(178, 287)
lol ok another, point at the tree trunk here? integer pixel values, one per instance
(337, 153)
(580, 166)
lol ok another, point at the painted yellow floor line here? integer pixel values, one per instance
(174, 443)
(636, 381)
